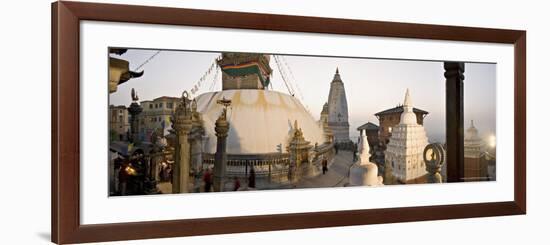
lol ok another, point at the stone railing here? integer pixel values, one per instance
(265, 165)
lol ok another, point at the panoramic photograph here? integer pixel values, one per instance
(198, 121)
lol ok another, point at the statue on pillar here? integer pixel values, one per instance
(182, 124)
(220, 158)
(134, 109)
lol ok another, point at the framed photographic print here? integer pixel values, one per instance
(177, 122)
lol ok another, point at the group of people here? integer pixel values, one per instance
(207, 179)
(165, 173)
(131, 174)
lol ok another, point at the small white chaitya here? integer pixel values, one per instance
(406, 146)
(364, 172)
(472, 142)
(475, 166)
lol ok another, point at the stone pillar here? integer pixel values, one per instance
(134, 109)
(220, 158)
(182, 123)
(197, 137)
(454, 75)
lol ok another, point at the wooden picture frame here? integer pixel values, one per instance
(65, 177)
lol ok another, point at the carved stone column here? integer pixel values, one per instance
(182, 123)
(197, 136)
(220, 158)
(454, 74)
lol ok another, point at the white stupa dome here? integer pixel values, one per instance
(472, 133)
(260, 120)
(364, 172)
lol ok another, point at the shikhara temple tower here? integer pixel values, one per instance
(404, 153)
(338, 110)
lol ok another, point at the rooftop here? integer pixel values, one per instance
(117, 106)
(399, 109)
(368, 126)
(166, 98)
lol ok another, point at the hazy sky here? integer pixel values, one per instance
(372, 85)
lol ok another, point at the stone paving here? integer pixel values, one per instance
(337, 174)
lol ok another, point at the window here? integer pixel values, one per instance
(160, 105)
(150, 106)
(170, 105)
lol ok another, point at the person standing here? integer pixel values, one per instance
(324, 163)
(252, 178)
(336, 148)
(207, 180)
(237, 184)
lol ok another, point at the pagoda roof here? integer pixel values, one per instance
(368, 126)
(399, 109)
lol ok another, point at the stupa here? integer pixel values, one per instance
(261, 121)
(404, 152)
(475, 165)
(364, 172)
